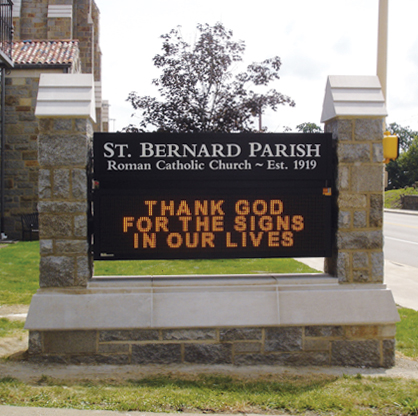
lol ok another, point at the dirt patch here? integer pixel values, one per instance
(17, 312)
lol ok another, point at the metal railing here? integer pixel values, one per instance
(6, 32)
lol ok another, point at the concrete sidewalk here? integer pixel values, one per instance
(401, 279)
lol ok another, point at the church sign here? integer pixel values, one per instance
(180, 196)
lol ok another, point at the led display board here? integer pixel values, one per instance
(178, 196)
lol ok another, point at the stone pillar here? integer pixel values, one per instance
(354, 112)
(64, 147)
(358, 253)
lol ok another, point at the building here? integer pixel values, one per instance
(50, 36)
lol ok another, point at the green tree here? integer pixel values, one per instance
(403, 171)
(198, 89)
(405, 134)
(309, 128)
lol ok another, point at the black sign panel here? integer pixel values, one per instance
(173, 196)
(211, 157)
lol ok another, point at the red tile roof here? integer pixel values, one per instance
(45, 52)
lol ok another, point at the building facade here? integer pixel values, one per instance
(50, 36)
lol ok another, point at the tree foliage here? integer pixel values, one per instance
(309, 128)
(405, 134)
(403, 171)
(198, 88)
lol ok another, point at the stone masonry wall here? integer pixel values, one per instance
(409, 202)
(64, 148)
(33, 20)
(358, 253)
(60, 28)
(21, 151)
(369, 346)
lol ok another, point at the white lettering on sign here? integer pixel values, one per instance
(184, 150)
(284, 150)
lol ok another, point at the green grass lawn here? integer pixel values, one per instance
(19, 272)
(9, 328)
(19, 269)
(219, 266)
(306, 395)
(407, 333)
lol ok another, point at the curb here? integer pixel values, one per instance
(400, 211)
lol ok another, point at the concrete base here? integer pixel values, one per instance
(241, 320)
(211, 301)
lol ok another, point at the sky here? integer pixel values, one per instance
(314, 39)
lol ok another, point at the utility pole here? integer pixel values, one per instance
(382, 46)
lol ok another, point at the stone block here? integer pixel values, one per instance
(80, 226)
(61, 184)
(79, 184)
(283, 339)
(156, 354)
(351, 200)
(355, 353)
(35, 342)
(316, 344)
(84, 270)
(388, 348)
(344, 219)
(361, 276)
(352, 240)
(343, 264)
(240, 334)
(63, 124)
(245, 347)
(360, 260)
(387, 331)
(62, 207)
(296, 359)
(367, 178)
(343, 182)
(259, 359)
(376, 210)
(353, 153)
(340, 129)
(324, 331)
(55, 226)
(189, 334)
(46, 247)
(57, 272)
(30, 155)
(360, 219)
(362, 331)
(113, 348)
(377, 266)
(368, 130)
(378, 152)
(129, 335)
(71, 247)
(62, 150)
(70, 342)
(208, 353)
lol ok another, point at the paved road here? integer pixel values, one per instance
(401, 258)
(401, 238)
